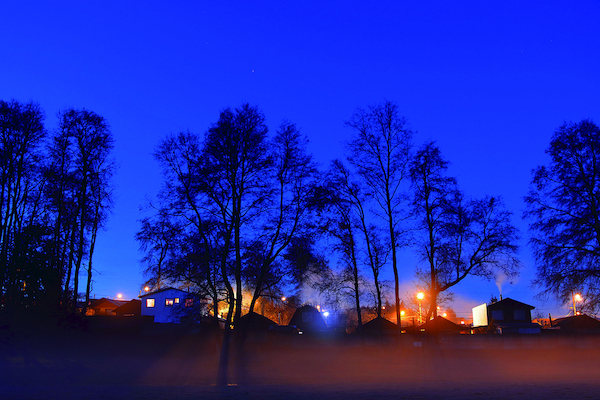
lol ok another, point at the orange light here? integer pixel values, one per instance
(283, 298)
(147, 289)
(120, 296)
(402, 313)
(420, 295)
(577, 297)
(444, 315)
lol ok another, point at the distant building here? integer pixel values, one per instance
(103, 306)
(379, 326)
(440, 325)
(577, 324)
(167, 305)
(132, 308)
(505, 316)
(308, 319)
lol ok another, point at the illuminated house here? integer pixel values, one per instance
(505, 316)
(167, 305)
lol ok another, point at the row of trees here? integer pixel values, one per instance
(244, 211)
(55, 193)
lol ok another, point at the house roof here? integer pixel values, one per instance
(106, 303)
(577, 322)
(378, 324)
(509, 303)
(440, 324)
(308, 318)
(162, 290)
(131, 307)
(255, 322)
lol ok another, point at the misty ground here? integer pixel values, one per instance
(105, 364)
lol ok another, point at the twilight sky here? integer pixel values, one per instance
(490, 83)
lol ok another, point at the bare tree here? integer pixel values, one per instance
(292, 198)
(85, 140)
(380, 152)
(21, 183)
(459, 238)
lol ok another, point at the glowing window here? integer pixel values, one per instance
(149, 303)
(169, 302)
(176, 300)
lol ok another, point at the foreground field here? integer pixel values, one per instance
(76, 365)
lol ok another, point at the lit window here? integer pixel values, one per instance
(176, 300)
(149, 303)
(169, 302)
(189, 302)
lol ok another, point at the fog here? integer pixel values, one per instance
(169, 366)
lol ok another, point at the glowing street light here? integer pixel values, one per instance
(576, 298)
(420, 296)
(147, 289)
(119, 296)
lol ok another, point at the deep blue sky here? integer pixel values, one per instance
(489, 82)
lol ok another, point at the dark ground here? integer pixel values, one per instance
(120, 363)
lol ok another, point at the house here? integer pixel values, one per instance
(440, 325)
(103, 306)
(132, 308)
(577, 324)
(505, 316)
(379, 326)
(168, 305)
(308, 319)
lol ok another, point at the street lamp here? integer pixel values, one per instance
(420, 296)
(576, 298)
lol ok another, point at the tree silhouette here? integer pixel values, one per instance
(563, 206)
(380, 152)
(457, 238)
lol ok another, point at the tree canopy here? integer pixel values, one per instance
(563, 209)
